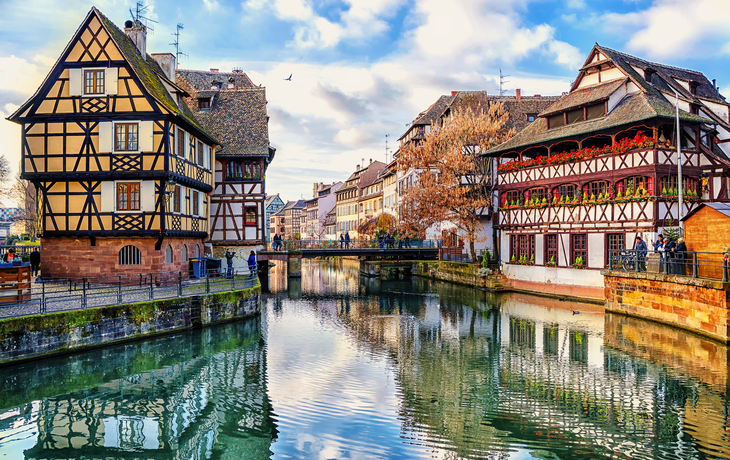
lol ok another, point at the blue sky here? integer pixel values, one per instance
(365, 68)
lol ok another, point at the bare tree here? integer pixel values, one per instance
(23, 192)
(454, 183)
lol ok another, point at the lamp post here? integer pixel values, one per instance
(169, 190)
(680, 191)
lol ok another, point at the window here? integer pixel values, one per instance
(668, 185)
(125, 137)
(201, 152)
(579, 246)
(168, 254)
(536, 193)
(523, 246)
(176, 198)
(196, 204)
(509, 197)
(564, 190)
(556, 121)
(574, 116)
(184, 253)
(596, 188)
(130, 255)
(250, 215)
(551, 249)
(531, 117)
(616, 242)
(204, 103)
(94, 81)
(196, 253)
(595, 111)
(631, 184)
(181, 143)
(128, 196)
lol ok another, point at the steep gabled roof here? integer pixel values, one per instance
(144, 67)
(202, 79)
(649, 102)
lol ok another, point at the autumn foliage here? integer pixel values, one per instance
(453, 182)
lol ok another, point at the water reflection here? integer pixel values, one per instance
(184, 396)
(341, 366)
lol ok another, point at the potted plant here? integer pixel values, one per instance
(551, 262)
(579, 263)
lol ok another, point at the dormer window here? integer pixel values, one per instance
(590, 112)
(693, 87)
(648, 73)
(216, 84)
(694, 109)
(204, 103)
(531, 117)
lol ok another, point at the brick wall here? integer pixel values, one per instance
(77, 258)
(697, 305)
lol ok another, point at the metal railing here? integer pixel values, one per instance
(20, 249)
(80, 293)
(695, 264)
(286, 245)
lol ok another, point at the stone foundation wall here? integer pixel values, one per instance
(460, 273)
(77, 258)
(61, 332)
(698, 305)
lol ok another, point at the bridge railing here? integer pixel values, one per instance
(709, 265)
(359, 243)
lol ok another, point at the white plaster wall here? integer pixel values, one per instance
(616, 97)
(596, 245)
(719, 109)
(554, 275)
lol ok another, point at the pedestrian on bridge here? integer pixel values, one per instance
(347, 240)
(342, 241)
(252, 263)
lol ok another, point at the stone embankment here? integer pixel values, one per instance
(48, 334)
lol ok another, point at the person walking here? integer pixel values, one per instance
(342, 241)
(35, 262)
(407, 241)
(347, 240)
(641, 251)
(229, 260)
(252, 263)
(679, 255)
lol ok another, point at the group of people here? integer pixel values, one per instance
(672, 254)
(345, 241)
(388, 241)
(35, 259)
(229, 260)
(276, 243)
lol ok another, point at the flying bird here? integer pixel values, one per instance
(289, 79)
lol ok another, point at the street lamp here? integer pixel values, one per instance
(680, 191)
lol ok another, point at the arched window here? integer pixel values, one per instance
(668, 185)
(130, 255)
(184, 253)
(536, 194)
(567, 191)
(168, 254)
(596, 188)
(630, 185)
(196, 253)
(509, 197)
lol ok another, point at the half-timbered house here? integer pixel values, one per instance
(233, 109)
(121, 166)
(600, 166)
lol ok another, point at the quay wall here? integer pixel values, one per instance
(698, 305)
(460, 273)
(48, 334)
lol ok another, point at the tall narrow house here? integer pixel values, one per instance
(121, 165)
(233, 109)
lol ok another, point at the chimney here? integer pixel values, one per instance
(167, 64)
(137, 32)
(371, 161)
(714, 83)
(518, 94)
(214, 70)
(537, 95)
(454, 93)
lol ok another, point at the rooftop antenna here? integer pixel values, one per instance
(386, 148)
(502, 81)
(176, 44)
(137, 15)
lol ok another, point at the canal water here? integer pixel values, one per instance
(344, 367)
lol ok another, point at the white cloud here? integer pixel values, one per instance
(20, 75)
(675, 28)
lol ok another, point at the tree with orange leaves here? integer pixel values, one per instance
(453, 182)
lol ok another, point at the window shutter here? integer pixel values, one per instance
(206, 157)
(111, 77)
(75, 80)
(146, 136)
(106, 137)
(108, 196)
(147, 190)
(187, 146)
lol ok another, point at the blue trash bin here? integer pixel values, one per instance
(197, 268)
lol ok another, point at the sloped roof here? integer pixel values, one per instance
(145, 67)
(518, 109)
(237, 117)
(202, 79)
(584, 96)
(723, 208)
(646, 104)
